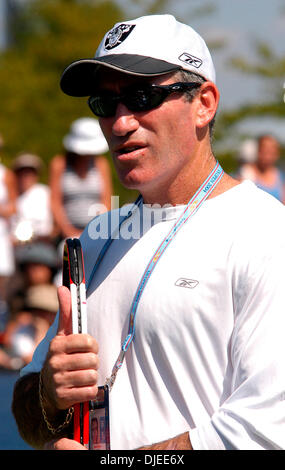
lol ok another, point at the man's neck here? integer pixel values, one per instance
(183, 186)
(180, 192)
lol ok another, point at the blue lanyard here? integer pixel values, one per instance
(192, 207)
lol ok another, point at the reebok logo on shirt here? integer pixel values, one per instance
(189, 283)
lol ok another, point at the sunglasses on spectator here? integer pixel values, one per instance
(136, 98)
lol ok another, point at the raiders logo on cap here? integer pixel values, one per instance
(118, 35)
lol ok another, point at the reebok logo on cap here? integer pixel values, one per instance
(191, 60)
(117, 35)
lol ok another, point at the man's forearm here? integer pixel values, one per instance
(28, 413)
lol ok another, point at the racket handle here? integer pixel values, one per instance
(81, 423)
(86, 424)
(76, 423)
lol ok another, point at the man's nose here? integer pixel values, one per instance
(124, 121)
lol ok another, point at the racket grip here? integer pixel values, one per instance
(76, 423)
(81, 423)
(86, 424)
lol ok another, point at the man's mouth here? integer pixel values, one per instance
(127, 149)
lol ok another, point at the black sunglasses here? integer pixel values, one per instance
(143, 97)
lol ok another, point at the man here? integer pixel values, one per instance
(188, 315)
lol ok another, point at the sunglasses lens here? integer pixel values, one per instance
(103, 105)
(144, 99)
(135, 99)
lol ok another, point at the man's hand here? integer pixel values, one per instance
(69, 374)
(181, 442)
(63, 444)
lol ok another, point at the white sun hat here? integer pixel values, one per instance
(147, 46)
(85, 138)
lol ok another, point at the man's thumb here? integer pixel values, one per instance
(65, 316)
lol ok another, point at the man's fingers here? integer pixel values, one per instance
(74, 362)
(73, 344)
(68, 396)
(82, 378)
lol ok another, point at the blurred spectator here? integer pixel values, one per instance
(37, 264)
(29, 326)
(7, 208)
(80, 180)
(57, 280)
(264, 171)
(246, 158)
(34, 217)
(32, 302)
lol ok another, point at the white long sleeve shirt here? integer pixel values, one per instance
(208, 352)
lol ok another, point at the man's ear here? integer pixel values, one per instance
(208, 100)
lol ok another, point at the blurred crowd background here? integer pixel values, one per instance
(35, 219)
(55, 169)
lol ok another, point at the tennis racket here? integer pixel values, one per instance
(73, 277)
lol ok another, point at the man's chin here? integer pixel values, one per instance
(131, 181)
